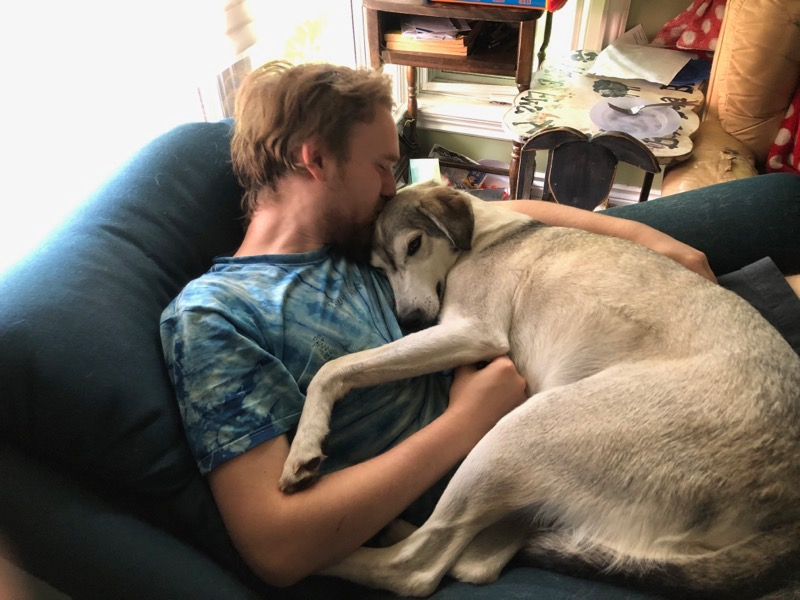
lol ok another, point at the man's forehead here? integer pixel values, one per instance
(379, 136)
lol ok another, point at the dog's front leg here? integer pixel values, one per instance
(444, 346)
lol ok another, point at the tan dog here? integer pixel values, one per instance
(662, 435)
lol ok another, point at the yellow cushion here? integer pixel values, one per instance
(756, 71)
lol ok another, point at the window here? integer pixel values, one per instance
(90, 82)
(323, 31)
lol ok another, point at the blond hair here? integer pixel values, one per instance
(280, 106)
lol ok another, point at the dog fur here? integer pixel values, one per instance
(661, 438)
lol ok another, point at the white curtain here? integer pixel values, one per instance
(239, 25)
(85, 84)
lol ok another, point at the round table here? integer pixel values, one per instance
(563, 94)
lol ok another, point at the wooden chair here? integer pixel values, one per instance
(580, 167)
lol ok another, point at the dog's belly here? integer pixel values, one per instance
(554, 349)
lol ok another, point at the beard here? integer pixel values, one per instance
(354, 241)
(349, 237)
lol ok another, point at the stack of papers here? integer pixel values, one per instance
(434, 28)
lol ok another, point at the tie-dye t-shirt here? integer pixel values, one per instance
(243, 341)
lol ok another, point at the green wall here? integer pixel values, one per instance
(654, 14)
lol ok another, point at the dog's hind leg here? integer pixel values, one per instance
(415, 565)
(395, 532)
(412, 567)
(490, 551)
(477, 500)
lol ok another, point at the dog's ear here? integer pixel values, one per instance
(451, 212)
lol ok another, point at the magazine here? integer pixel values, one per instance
(459, 178)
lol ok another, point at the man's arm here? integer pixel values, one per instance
(552, 213)
(286, 537)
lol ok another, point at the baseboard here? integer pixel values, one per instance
(621, 193)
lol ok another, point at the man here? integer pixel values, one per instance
(314, 148)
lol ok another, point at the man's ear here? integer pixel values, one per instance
(314, 158)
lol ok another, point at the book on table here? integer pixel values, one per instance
(434, 35)
(395, 40)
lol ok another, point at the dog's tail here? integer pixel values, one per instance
(764, 566)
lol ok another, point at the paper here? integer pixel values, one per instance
(634, 35)
(424, 169)
(629, 57)
(434, 28)
(461, 178)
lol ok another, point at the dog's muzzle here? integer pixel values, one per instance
(413, 321)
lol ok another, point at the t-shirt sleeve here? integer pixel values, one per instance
(232, 392)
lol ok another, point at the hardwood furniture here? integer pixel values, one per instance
(580, 167)
(384, 15)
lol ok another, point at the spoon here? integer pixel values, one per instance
(635, 110)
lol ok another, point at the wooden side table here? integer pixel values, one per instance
(384, 15)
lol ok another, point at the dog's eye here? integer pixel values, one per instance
(413, 245)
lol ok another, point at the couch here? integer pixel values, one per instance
(99, 495)
(755, 74)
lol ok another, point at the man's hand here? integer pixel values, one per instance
(689, 257)
(485, 395)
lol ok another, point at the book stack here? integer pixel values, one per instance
(455, 46)
(436, 35)
(550, 5)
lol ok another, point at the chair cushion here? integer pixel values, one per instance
(756, 71)
(81, 371)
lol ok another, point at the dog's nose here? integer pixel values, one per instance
(413, 320)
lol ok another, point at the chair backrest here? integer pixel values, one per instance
(581, 168)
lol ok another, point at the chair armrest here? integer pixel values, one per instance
(717, 156)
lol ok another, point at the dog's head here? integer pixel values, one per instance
(418, 238)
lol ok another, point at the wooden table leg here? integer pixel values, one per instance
(513, 172)
(411, 82)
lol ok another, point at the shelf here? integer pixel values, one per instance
(512, 59)
(485, 63)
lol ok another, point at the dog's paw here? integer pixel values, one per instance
(301, 468)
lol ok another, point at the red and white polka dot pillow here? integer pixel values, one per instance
(697, 28)
(784, 155)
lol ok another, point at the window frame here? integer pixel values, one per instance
(214, 93)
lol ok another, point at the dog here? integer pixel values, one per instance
(661, 438)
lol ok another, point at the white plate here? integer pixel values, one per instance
(652, 122)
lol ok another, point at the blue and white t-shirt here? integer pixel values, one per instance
(243, 341)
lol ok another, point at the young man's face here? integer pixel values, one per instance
(366, 182)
